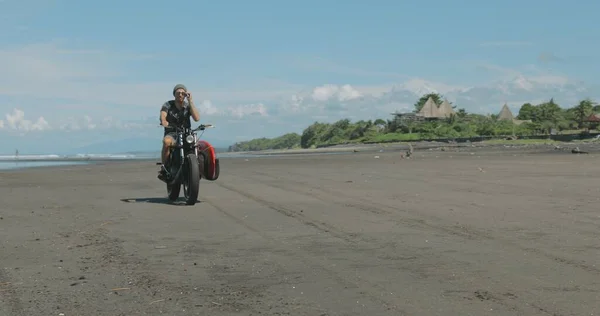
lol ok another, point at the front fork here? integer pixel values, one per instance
(184, 159)
(181, 154)
(196, 147)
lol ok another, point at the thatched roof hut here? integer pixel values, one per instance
(505, 114)
(430, 109)
(445, 109)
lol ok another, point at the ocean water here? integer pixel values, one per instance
(31, 161)
(14, 165)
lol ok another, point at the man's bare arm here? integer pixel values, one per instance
(163, 118)
(194, 111)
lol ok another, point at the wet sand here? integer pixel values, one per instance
(445, 233)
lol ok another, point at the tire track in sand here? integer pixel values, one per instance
(412, 221)
(354, 239)
(342, 280)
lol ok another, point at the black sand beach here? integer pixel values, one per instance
(475, 232)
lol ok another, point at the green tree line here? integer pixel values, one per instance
(540, 119)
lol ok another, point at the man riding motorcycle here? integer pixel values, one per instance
(175, 112)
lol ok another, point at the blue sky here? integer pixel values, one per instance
(77, 72)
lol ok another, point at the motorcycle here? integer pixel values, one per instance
(190, 159)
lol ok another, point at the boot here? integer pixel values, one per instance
(163, 173)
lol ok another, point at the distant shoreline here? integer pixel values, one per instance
(361, 148)
(72, 159)
(11, 163)
(335, 148)
(422, 145)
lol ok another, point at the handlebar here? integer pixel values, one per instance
(201, 127)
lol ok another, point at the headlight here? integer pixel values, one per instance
(189, 139)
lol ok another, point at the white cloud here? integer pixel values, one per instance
(293, 113)
(207, 108)
(79, 123)
(257, 91)
(317, 99)
(88, 82)
(325, 103)
(527, 74)
(334, 100)
(89, 123)
(16, 121)
(550, 79)
(107, 123)
(422, 86)
(86, 86)
(92, 77)
(247, 110)
(329, 91)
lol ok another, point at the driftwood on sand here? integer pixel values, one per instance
(576, 150)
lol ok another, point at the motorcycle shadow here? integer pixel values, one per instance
(155, 200)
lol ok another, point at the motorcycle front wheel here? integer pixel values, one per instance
(173, 191)
(191, 184)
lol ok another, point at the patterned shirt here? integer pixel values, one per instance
(176, 117)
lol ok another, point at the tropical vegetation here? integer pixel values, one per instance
(539, 119)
